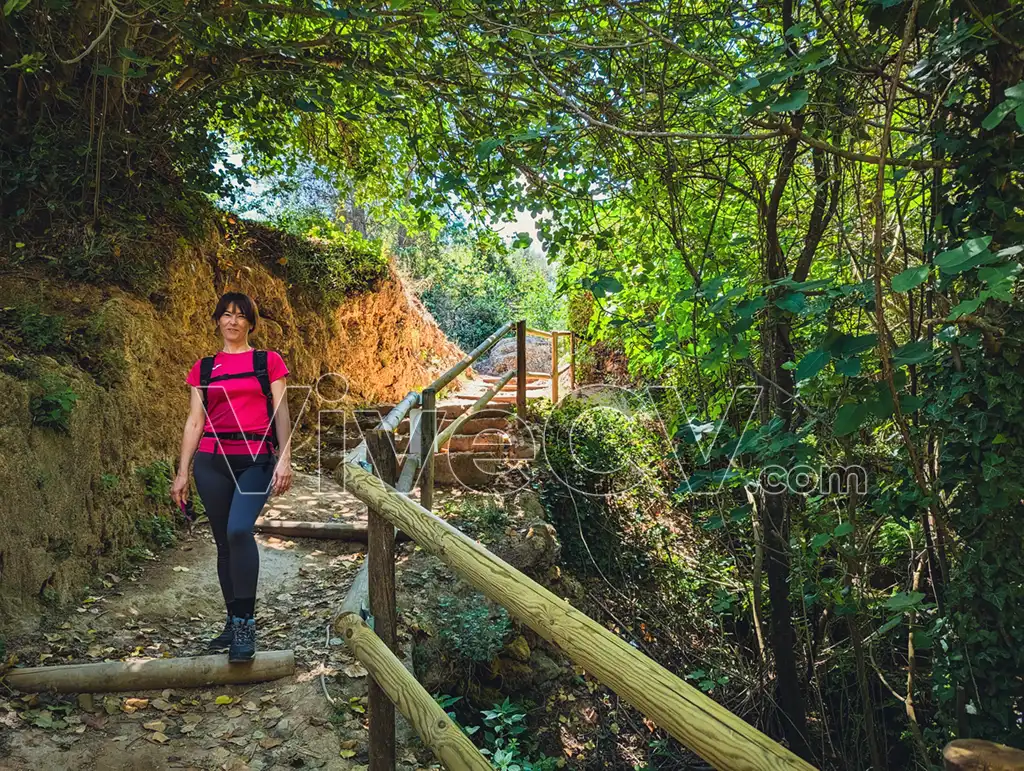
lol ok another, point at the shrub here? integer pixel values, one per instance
(37, 330)
(157, 478)
(133, 261)
(138, 554)
(158, 530)
(474, 628)
(480, 517)
(326, 262)
(505, 739)
(52, 408)
(604, 462)
(507, 743)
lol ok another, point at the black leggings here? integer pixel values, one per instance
(234, 489)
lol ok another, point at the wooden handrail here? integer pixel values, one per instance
(545, 332)
(479, 404)
(977, 755)
(435, 728)
(388, 423)
(472, 356)
(696, 720)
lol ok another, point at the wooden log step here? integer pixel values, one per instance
(330, 531)
(466, 469)
(349, 440)
(151, 674)
(477, 424)
(489, 442)
(327, 531)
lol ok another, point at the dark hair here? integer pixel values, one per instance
(245, 304)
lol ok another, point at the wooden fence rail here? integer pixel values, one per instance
(700, 723)
(451, 746)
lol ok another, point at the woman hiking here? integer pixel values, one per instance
(238, 421)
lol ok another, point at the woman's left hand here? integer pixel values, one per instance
(283, 477)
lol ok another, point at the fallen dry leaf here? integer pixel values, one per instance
(155, 725)
(193, 719)
(355, 670)
(224, 699)
(269, 744)
(234, 712)
(158, 737)
(188, 728)
(131, 705)
(163, 705)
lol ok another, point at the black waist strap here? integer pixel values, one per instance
(251, 436)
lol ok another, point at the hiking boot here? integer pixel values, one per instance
(223, 640)
(243, 639)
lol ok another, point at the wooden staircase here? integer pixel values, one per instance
(483, 446)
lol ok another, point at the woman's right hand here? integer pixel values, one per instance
(179, 490)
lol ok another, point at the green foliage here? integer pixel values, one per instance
(480, 516)
(156, 479)
(474, 627)
(504, 737)
(604, 462)
(51, 406)
(507, 743)
(129, 259)
(158, 529)
(138, 554)
(109, 481)
(328, 263)
(472, 283)
(718, 220)
(36, 331)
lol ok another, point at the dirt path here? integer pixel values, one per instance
(167, 608)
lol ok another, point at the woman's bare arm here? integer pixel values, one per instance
(283, 430)
(189, 442)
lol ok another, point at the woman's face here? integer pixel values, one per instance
(234, 327)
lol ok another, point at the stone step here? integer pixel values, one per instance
(471, 470)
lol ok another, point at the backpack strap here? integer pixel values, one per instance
(205, 373)
(259, 366)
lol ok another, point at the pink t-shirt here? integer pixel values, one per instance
(237, 404)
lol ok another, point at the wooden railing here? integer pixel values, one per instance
(697, 721)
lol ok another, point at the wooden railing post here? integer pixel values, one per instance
(554, 367)
(572, 361)
(428, 433)
(380, 556)
(521, 369)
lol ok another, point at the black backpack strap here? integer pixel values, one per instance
(205, 373)
(259, 366)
